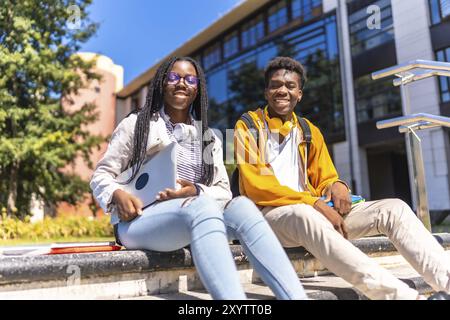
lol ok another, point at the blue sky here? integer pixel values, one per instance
(138, 33)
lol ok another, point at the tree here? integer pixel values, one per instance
(285, 48)
(39, 75)
(322, 99)
(246, 87)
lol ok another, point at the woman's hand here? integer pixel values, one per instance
(188, 189)
(334, 217)
(128, 206)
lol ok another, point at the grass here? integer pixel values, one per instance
(21, 242)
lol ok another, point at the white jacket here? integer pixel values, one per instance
(118, 155)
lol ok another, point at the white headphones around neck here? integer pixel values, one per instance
(183, 132)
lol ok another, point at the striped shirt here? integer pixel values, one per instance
(189, 152)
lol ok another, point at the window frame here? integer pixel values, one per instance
(444, 96)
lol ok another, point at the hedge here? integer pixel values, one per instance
(50, 228)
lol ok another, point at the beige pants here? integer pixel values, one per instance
(301, 225)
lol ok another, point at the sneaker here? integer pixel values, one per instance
(441, 295)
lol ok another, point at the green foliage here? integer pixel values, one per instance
(230, 167)
(285, 48)
(39, 73)
(51, 228)
(246, 87)
(322, 95)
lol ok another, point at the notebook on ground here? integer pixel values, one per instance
(59, 248)
(156, 174)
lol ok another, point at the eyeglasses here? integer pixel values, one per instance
(190, 80)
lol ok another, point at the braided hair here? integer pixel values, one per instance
(153, 104)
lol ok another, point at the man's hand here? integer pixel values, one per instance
(341, 198)
(335, 218)
(128, 206)
(187, 190)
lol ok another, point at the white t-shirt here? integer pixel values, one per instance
(285, 160)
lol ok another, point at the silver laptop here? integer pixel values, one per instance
(156, 174)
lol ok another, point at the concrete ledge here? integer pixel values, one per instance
(54, 267)
(373, 246)
(130, 273)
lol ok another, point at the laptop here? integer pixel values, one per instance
(156, 174)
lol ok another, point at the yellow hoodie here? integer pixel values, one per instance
(256, 177)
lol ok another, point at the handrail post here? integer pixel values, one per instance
(409, 125)
(410, 146)
(407, 73)
(415, 157)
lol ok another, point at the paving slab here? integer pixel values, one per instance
(323, 287)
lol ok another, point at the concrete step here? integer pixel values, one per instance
(137, 273)
(323, 287)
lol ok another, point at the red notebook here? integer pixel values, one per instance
(59, 248)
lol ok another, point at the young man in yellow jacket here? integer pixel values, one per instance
(287, 179)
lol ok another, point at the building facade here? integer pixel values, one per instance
(103, 94)
(383, 33)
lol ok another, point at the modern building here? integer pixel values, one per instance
(340, 96)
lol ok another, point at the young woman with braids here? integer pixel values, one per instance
(201, 213)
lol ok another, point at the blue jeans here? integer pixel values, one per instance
(173, 224)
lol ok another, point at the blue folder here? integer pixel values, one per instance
(355, 200)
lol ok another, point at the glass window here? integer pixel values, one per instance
(316, 3)
(444, 82)
(445, 8)
(306, 9)
(135, 102)
(231, 45)
(435, 12)
(322, 99)
(252, 32)
(439, 10)
(212, 56)
(314, 45)
(277, 16)
(297, 9)
(217, 86)
(264, 56)
(361, 13)
(332, 45)
(376, 99)
(361, 37)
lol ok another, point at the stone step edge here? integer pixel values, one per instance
(95, 265)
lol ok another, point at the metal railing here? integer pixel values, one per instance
(410, 123)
